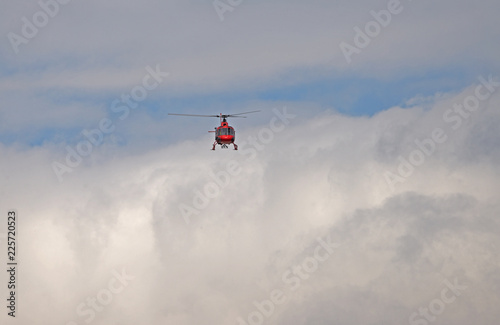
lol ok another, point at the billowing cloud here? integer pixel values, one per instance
(302, 225)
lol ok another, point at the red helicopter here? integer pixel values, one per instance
(224, 134)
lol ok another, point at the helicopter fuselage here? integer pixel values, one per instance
(225, 134)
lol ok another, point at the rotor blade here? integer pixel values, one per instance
(234, 115)
(194, 115)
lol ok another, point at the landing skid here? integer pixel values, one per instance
(224, 146)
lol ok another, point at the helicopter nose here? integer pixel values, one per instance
(226, 138)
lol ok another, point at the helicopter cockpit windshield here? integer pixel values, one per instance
(225, 131)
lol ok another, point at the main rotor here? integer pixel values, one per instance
(223, 117)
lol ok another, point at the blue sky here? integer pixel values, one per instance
(349, 95)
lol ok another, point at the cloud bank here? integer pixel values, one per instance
(306, 229)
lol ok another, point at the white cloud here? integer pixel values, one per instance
(321, 176)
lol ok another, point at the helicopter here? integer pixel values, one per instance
(224, 134)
